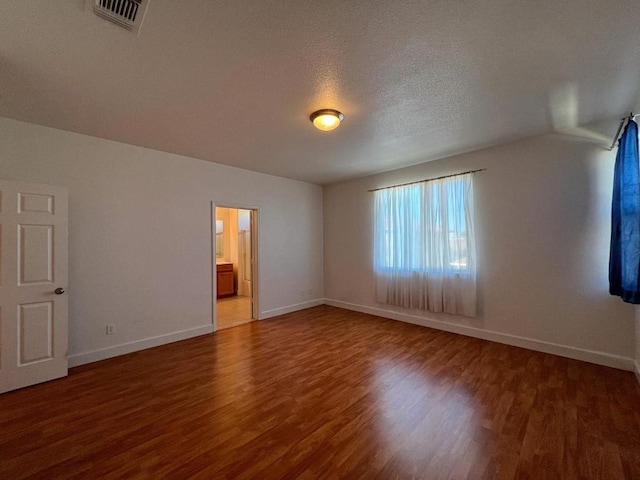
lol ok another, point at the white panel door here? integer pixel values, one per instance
(33, 279)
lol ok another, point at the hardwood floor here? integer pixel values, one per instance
(327, 393)
(234, 311)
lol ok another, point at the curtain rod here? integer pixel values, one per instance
(630, 117)
(427, 180)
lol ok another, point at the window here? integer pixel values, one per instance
(424, 245)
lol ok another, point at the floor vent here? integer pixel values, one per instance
(125, 13)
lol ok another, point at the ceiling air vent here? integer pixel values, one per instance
(125, 13)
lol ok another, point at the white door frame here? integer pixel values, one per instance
(255, 284)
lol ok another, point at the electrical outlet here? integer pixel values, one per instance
(111, 329)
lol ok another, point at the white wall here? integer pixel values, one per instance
(543, 219)
(140, 235)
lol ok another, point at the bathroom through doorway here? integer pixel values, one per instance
(235, 266)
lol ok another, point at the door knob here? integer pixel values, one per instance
(59, 291)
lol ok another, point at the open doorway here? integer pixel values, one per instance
(235, 248)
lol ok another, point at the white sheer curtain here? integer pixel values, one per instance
(424, 246)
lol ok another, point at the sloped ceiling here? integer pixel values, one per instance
(234, 82)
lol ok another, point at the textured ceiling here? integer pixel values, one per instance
(235, 82)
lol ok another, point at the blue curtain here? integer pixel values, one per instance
(624, 260)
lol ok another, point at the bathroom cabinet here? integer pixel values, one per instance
(225, 280)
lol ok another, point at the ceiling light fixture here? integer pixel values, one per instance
(326, 119)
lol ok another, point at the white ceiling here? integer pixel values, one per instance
(234, 82)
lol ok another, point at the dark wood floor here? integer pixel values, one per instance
(327, 393)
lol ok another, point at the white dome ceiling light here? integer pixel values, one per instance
(326, 119)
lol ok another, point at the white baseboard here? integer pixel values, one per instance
(116, 350)
(599, 358)
(291, 308)
(591, 356)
